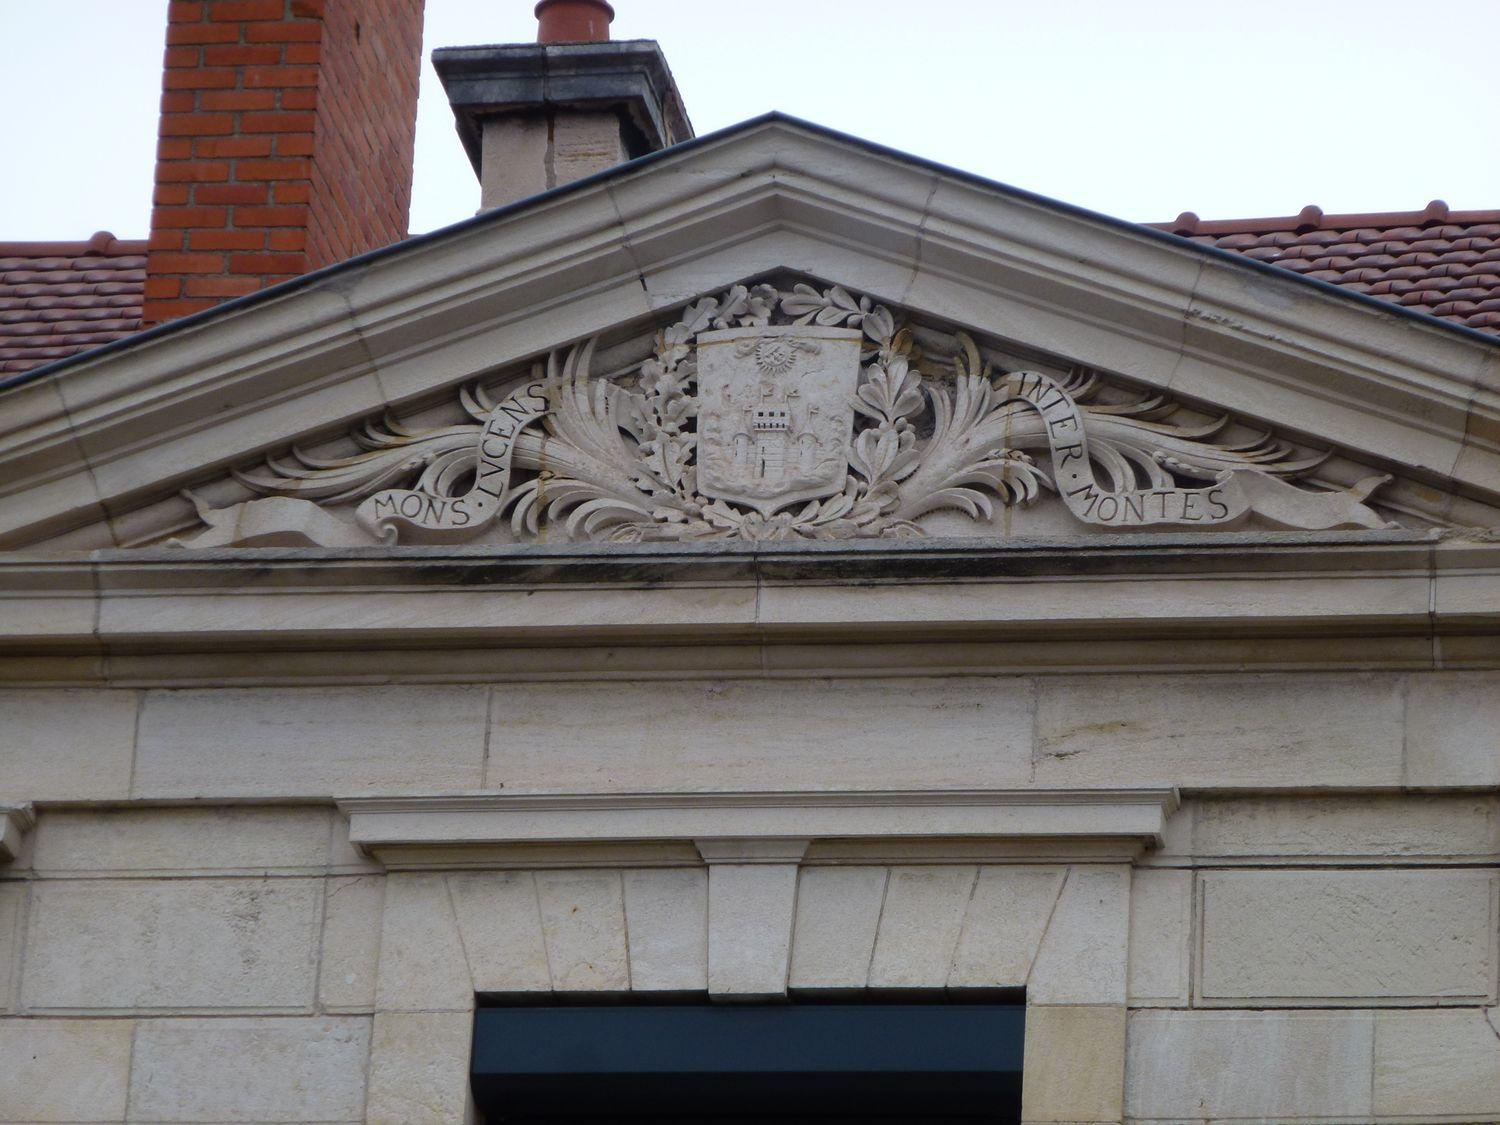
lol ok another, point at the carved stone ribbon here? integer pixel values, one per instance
(442, 518)
(1233, 493)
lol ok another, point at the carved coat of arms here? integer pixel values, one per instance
(765, 413)
(775, 413)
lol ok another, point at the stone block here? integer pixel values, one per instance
(353, 906)
(838, 912)
(500, 922)
(1177, 832)
(1075, 1064)
(514, 160)
(1161, 926)
(419, 1068)
(254, 1070)
(65, 744)
(1082, 957)
(64, 1070)
(1274, 1066)
(1453, 729)
(1264, 730)
(182, 840)
(1003, 926)
(422, 961)
(145, 944)
(16, 836)
(1361, 937)
(666, 922)
(310, 742)
(343, 856)
(12, 934)
(920, 925)
(1432, 1063)
(761, 734)
(750, 919)
(583, 144)
(1391, 827)
(583, 921)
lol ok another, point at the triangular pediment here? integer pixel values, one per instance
(928, 355)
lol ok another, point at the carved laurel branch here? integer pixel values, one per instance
(617, 457)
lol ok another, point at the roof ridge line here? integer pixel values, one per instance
(102, 242)
(1311, 218)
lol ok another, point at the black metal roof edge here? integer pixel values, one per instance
(499, 214)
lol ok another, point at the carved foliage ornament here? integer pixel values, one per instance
(764, 414)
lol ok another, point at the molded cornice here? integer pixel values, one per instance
(1292, 599)
(829, 827)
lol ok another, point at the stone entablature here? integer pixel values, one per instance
(1369, 600)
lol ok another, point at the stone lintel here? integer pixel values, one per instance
(758, 828)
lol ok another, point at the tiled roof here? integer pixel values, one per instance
(1444, 263)
(57, 298)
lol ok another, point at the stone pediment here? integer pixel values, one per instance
(770, 334)
(790, 411)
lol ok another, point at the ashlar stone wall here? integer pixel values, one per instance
(188, 936)
(149, 952)
(644, 733)
(1318, 958)
(188, 964)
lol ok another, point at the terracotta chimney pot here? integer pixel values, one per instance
(573, 21)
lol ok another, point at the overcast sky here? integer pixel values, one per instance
(1138, 108)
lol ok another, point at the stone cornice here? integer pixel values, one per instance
(1429, 596)
(97, 438)
(494, 829)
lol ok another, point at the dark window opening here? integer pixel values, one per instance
(800, 1062)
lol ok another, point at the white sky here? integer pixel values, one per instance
(1138, 108)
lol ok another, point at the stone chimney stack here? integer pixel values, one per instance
(537, 116)
(285, 143)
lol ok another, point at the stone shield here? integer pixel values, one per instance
(775, 413)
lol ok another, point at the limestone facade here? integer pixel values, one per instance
(1224, 802)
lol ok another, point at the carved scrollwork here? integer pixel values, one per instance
(765, 414)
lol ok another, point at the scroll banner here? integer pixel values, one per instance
(276, 521)
(1233, 493)
(442, 518)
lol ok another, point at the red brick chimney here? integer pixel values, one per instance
(285, 143)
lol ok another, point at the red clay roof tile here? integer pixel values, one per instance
(58, 298)
(1433, 261)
